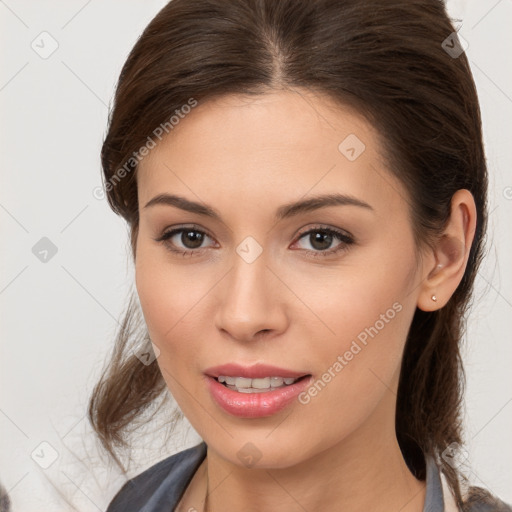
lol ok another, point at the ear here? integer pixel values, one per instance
(445, 263)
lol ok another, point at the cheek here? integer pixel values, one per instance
(360, 362)
(366, 311)
(172, 298)
(354, 299)
(165, 296)
(167, 300)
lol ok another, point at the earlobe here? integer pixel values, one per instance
(450, 254)
(443, 278)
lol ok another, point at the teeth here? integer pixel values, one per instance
(242, 382)
(261, 383)
(275, 382)
(246, 385)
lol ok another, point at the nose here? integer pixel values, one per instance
(251, 302)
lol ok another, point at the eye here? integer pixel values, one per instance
(321, 240)
(184, 240)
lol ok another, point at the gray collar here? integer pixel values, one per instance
(434, 501)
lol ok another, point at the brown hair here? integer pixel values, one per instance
(387, 59)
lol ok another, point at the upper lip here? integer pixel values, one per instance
(256, 371)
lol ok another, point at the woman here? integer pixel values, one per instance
(305, 186)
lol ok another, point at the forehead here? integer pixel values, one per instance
(282, 144)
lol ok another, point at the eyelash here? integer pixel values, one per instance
(344, 239)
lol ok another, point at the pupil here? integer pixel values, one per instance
(194, 239)
(320, 240)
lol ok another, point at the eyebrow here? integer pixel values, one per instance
(283, 212)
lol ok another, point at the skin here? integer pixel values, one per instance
(246, 157)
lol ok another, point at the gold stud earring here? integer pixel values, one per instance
(434, 298)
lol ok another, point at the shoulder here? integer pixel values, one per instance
(160, 485)
(481, 500)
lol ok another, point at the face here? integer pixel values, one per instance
(326, 290)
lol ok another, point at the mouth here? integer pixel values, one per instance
(258, 385)
(256, 396)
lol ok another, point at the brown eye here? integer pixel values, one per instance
(185, 240)
(191, 239)
(321, 241)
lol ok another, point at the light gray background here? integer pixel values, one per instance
(59, 317)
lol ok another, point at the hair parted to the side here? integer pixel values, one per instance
(382, 57)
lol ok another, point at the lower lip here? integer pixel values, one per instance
(255, 405)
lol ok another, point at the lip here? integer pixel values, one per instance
(255, 405)
(256, 371)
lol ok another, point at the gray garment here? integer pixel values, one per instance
(160, 488)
